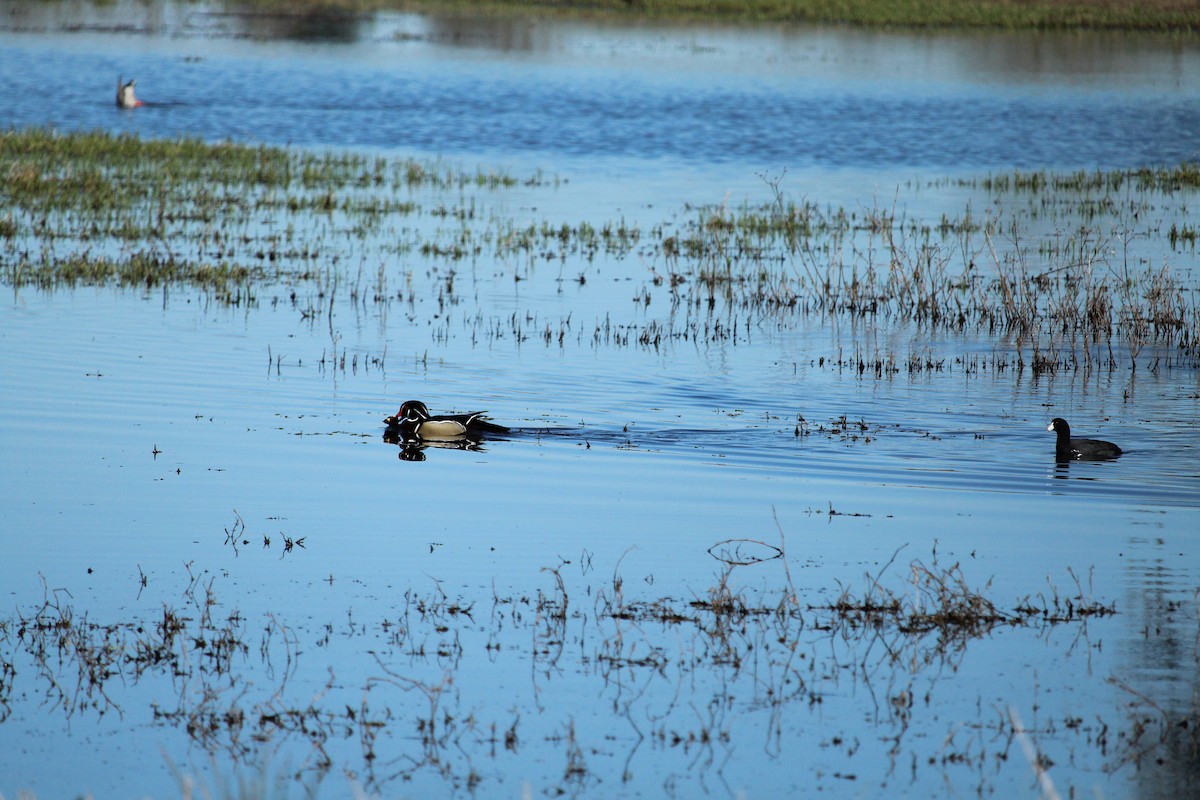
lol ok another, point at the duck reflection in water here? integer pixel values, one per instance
(414, 449)
(414, 429)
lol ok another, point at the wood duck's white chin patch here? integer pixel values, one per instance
(441, 429)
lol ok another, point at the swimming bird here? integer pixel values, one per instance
(1069, 449)
(126, 97)
(414, 421)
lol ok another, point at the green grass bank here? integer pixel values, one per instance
(1180, 16)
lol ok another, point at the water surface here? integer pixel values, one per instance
(161, 449)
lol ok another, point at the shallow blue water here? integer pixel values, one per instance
(139, 428)
(718, 105)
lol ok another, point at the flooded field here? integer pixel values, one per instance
(777, 319)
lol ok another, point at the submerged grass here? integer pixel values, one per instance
(94, 208)
(1185, 176)
(1083, 270)
(38, 160)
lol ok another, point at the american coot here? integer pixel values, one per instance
(1069, 449)
(414, 421)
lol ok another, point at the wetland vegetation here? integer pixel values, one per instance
(407, 710)
(1160, 15)
(238, 221)
(937, 608)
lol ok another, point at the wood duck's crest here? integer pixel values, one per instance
(413, 421)
(410, 413)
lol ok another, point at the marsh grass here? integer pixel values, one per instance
(1168, 15)
(1078, 271)
(97, 208)
(48, 167)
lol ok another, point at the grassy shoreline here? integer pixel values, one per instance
(1179, 16)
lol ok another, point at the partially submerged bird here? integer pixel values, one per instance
(1068, 449)
(126, 97)
(413, 421)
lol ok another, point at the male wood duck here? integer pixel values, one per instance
(413, 421)
(126, 98)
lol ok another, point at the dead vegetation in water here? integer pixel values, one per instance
(401, 705)
(936, 600)
(939, 600)
(1084, 300)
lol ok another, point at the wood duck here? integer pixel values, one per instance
(413, 421)
(1068, 449)
(126, 98)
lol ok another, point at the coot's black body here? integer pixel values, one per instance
(1069, 449)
